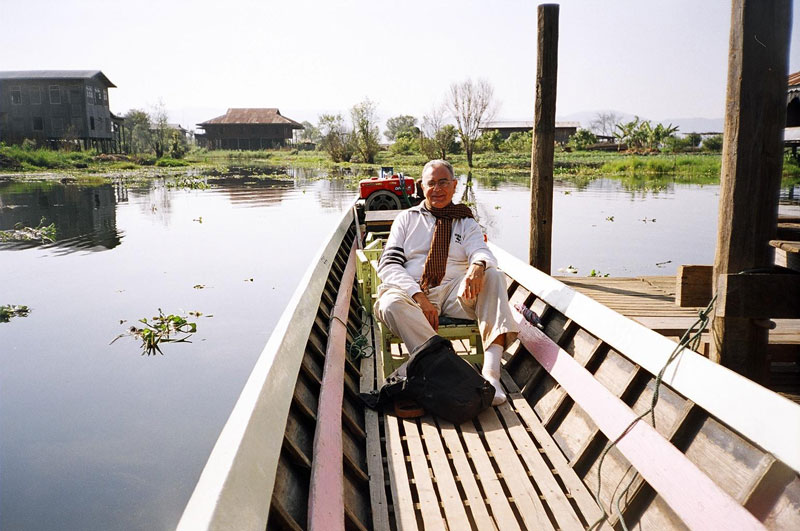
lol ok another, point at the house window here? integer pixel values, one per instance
(38, 123)
(58, 125)
(55, 94)
(105, 94)
(98, 96)
(91, 123)
(89, 95)
(16, 96)
(36, 96)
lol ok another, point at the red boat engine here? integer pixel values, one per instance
(389, 191)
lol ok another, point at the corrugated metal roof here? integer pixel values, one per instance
(253, 116)
(520, 124)
(55, 74)
(794, 79)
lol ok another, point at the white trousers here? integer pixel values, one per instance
(490, 308)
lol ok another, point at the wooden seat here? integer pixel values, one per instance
(449, 328)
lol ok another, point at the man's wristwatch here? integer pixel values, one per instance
(481, 263)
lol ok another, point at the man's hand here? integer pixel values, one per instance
(473, 281)
(428, 309)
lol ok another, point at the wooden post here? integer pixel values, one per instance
(544, 127)
(752, 159)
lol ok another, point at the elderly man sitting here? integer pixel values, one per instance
(436, 262)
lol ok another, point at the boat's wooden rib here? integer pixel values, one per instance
(695, 377)
(713, 442)
(697, 500)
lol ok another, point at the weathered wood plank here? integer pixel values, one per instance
(577, 488)
(398, 476)
(693, 285)
(377, 493)
(428, 501)
(454, 510)
(556, 499)
(492, 485)
(477, 506)
(514, 475)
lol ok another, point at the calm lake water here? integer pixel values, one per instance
(97, 436)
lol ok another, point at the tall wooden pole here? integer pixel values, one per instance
(752, 159)
(544, 128)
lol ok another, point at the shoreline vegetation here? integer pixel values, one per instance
(579, 166)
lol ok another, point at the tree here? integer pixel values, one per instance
(138, 123)
(405, 142)
(605, 123)
(490, 140)
(400, 124)
(365, 130)
(178, 145)
(582, 139)
(640, 134)
(336, 139)
(471, 104)
(518, 142)
(159, 129)
(309, 133)
(712, 143)
(437, 137)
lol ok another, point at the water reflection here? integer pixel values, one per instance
(85, 216)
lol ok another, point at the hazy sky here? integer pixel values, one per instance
(658, 59)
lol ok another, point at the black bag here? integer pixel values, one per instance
(437, 379)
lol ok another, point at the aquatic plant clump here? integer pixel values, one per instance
(162, 329)
(188, 182)
(13, 310)
(21, 233)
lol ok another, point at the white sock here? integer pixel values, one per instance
(491, 371)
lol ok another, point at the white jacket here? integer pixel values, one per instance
(409, 242)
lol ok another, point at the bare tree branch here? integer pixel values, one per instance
(471, 104)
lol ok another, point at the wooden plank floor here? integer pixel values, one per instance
(650, 300)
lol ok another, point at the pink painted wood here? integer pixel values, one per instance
(326, 496)
(694, 497)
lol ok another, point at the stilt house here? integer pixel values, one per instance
(247, 129)
(52, 107)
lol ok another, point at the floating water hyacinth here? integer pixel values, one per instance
(160, 330)
(13, 310)
(21, 233)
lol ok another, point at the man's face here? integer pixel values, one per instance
(438, 187)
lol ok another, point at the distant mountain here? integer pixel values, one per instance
(685, 125)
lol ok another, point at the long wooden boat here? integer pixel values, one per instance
(300, 451)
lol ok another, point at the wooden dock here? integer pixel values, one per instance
(650, 300)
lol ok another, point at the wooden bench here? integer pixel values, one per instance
(449, 328)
